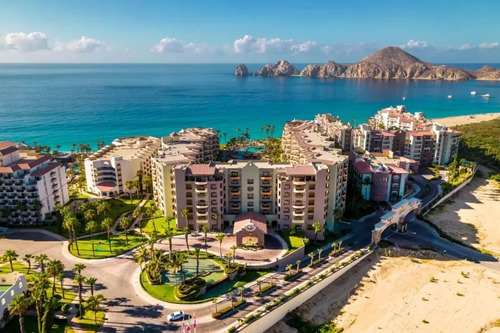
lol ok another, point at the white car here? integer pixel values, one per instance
(177, 315)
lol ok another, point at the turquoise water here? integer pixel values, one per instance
(86, 103)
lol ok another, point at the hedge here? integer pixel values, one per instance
(190, 288)
(316, 262)
(293, 275)
(266, 288)
(228, 309)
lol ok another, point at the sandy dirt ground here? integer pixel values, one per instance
(401, 294)
(461, 120)
(473, 214)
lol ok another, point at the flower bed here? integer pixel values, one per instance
(227, 309)
(293, 275)
(190, 288)
(316, 262)
(263, 290)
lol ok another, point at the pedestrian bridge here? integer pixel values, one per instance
(396, 216)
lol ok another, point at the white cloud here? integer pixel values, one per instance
(26, 42)
(173, 45)
(82, 45)
(250, 45)
(489, 45)
(466, 47)
(413, 44)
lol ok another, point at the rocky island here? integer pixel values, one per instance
(388, 63)
(241, 70)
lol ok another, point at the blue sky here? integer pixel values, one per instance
(246, 31)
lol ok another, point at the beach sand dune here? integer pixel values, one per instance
(472, 215)
(462, 120)
(400, 294)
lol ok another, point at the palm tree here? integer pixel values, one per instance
(340, 245)
(141, 256)
(241, 290)
(205, 230)
(28, 258)
(337, 213)
(184, 214)
(94, 304)
(91, 281)
(259, 283)
(228, 256)
(79, 267)
(107, 224)
(129, 186)
(92, 227)
(215, 216)
(298, 265)
(138, 212)
(79, 279)
(311, 255)
(60, 278)
(289, 269)
(71, 223)
(54, 267)
(125, 224)
(197, 251)
(220, 237)
(334, 247)
(41, 259)
(17, 307)
(38, 289)
(10, 256)
(215, 303)
(319, 253)
(234, 248)
(317, 228)
(230, 296)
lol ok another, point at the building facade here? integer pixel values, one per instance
(108, 169)
(31, 185)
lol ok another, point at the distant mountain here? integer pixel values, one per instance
(388, 63)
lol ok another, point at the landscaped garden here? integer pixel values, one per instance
(102, 248)
(181, 280)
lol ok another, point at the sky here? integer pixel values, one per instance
(251, 31)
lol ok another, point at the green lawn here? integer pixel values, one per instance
(101, 246)
(148, 226)
(31, 325)
(122, 205)
(165, 292)
(295, 241)
(87, 323)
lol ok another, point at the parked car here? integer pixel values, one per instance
(177, 315)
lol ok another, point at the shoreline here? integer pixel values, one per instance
(466, 119)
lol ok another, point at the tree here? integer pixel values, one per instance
(259, 284)
(38, 291)
(71, 223)
(91, 281)
(186, 233)
(54, 267)
(241, 290)
(340, 245)
(141, 256)
(125, 224)
(317, 227)
(289, 269)
(17, 307)
(197, 251)
(41, 259)
(129, 186)
(319, 253)
(138, 212)
(205, 230)
(92, 227)
(80, 279)
(298, 265)
(94, 304)
(337, 214)
(107, 224)
(169, 235)
(184, 214)
(215, 216)
(334, 247)
(220, 237)
(79, 267)
(10, 256)
(28, 258)
(60, 278)
(234, 248)
(215, 303)
(230, 296)
(311, 255)
(147, 182)
(229, 256)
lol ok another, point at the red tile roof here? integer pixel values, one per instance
(5, 144)
(383, 133)
(8, 150)
(45, 169)
(420, 133)
(258, 220)
(106, 186)
(201, 170)
(397, 170)
(363, 167)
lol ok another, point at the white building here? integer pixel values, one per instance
(31, 184)
(446, 143)
(108, 169)
(17, 285)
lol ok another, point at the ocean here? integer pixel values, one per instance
(65, 104)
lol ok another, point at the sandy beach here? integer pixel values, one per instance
(471, 215)
(461, 120)
(401, 294)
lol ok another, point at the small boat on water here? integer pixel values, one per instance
(450, 96)
(486, 96)
(404, 98)
(473, 93)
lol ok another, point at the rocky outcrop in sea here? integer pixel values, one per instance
(281, 68)
(241, 70)
(330, 69)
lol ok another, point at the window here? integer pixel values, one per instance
(249, 181)
(250, 196)
(250, 188)
(250, 204)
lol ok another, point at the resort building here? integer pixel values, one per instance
(420, 146)
(381, 177)
(11, 285)
(446, 143)
(334, 128)
(108, 169)
(31, 185)
(398, 118)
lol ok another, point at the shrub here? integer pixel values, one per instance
(266, 288)
(223, 311)
(231, 329)
(65, 308)
(189, 288)
(293, 275)
(316, 262)
(229, 269)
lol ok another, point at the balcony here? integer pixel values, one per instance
(266, 178)
(202, 214)
(299, 205)
(299, 189)
(265, 207)
(201, 205)
(298, 213)
(200, 183)
(266, 191)
(235, 206)
(201, 189)
(299, 182)
(234, 192)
